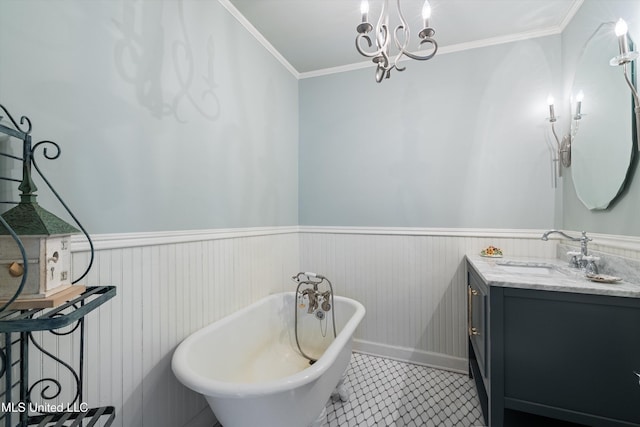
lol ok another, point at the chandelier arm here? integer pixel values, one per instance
(395, 63)
(382, 19)
(401, 46)
(383, 67)
(382, 31)
(385, 61)
(396, 60)
(423, 57)
(382, 38)
(401, 37)
(361, 50)
(404, 26)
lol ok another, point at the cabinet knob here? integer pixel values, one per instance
(638, 375)
(16, 270)
(473, 331)
(474, 292)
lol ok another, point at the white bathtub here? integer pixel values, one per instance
(249, 369)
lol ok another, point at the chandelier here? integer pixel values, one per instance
(401, 37)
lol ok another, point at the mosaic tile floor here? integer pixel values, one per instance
(386, 392)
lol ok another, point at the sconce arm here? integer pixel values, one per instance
(636, 103)
(555, 135)
(634, 92)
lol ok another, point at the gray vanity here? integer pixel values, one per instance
(544, 340)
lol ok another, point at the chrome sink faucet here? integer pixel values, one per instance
(585, 261)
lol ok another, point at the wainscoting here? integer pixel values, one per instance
(168, 286)
(411, 281)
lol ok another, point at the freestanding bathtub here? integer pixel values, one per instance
(249, 369)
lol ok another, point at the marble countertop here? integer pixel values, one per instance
(561, 278)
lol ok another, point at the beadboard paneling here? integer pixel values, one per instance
(164, 293)
(411, 281)
(412, 284)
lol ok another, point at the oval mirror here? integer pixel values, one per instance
(602, 148)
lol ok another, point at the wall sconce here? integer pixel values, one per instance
(561, 152)
(626, 57)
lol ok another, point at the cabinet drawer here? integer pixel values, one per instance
(477, 319)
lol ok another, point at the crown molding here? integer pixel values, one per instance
(493, 41)
(258, 36)
(570, 14)
(459, 47)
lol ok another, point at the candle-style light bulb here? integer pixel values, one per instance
(621, 32)
(426, 13)
(364, 10)
(552, 114)
(621, 27)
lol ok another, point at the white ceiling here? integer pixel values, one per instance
(318, 36)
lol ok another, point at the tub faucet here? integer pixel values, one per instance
(313, 299)
(584, 240)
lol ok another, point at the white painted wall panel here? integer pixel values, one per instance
(411, 281)
(164, 293)
(412, 285)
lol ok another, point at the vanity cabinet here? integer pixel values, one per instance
(562, 355)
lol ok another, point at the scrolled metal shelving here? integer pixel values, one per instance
(40, 319)
(20, 328)
(104, 414)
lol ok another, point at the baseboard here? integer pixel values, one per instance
(411, 355)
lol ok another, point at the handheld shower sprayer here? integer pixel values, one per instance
(319, 302)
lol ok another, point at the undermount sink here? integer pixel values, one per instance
(529, 268)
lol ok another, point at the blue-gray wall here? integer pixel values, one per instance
(457, 141)
(621, 217)
(170, 115)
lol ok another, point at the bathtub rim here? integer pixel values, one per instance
(215, 388)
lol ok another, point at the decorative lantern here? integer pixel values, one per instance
(46, 241)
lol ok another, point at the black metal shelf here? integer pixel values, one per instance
(17, 326)
(44, 319)
(104, 414)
